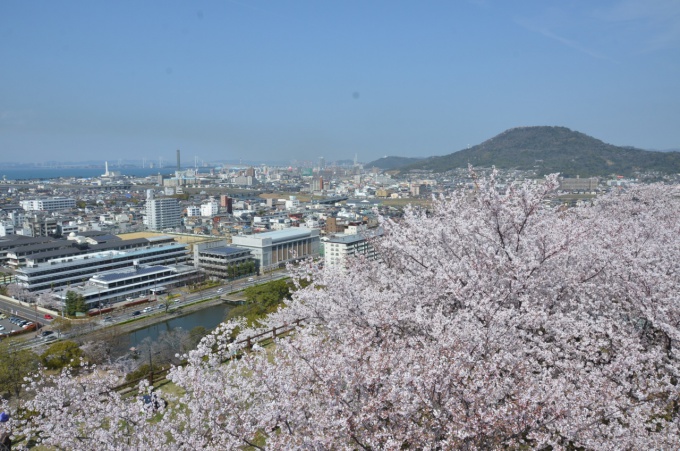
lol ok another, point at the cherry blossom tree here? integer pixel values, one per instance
(491, 321)
(46, 299)
(17, 291)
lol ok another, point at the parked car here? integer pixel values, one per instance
(2, 327)
(27, 324)
(3, 316)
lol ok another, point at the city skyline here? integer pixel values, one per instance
(282, 81)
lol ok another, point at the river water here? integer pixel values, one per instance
(209, 317)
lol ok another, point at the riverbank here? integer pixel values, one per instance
(131, 326)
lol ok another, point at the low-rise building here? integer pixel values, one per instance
(48, 204)
(275, 249)
(338, 249)
(75, 269)
(120, 284)
(579, 184)
(226, 262)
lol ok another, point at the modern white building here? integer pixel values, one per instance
(293, 203)
(210, 208)
(338, 249)
(75, 269)
(117, 285)
(274, 249)
(6, 228)
(161, 213)
(193, 210)
(48, 204)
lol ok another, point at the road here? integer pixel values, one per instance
(170, 307)
(161, 308)
(25, 311)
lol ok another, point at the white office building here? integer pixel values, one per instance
(339, 249)
(274, 249)
(117, 285)
(6, 228)
(193, 210)
(75, 269)
(48, 204)
(210, 208)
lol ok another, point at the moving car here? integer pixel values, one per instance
(136, 313)
(48, 316)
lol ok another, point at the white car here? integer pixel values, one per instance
(250, 279)
(148, 309)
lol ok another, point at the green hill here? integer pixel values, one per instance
(553, 149)
(391, 162)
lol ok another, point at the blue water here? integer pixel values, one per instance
(51, 173)
(209, 317)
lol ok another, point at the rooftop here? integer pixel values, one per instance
(225, 250)
(118, 274)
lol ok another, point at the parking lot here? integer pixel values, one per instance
(12, 323)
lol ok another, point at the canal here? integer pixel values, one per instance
(209, 317)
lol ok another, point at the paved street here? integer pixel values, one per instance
(161, 306)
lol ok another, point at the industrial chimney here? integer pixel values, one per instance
(178, 166)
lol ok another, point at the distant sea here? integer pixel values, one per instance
(49, 173)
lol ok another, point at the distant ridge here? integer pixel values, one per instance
(553, 149)
(391, 162)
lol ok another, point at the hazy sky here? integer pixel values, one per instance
(288, 80)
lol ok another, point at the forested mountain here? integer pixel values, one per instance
(391, 162)
(554, 149)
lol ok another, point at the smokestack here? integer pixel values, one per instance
(178, 166)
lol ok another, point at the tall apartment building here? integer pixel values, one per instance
(48, 204)
(161, 213)
(317, 184)
(227, 203)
